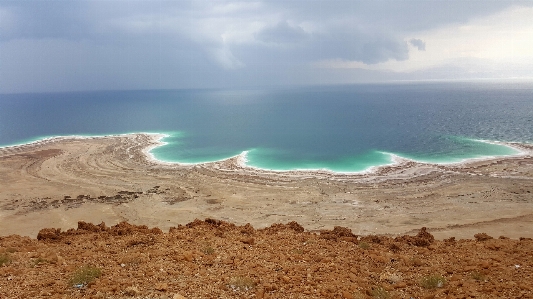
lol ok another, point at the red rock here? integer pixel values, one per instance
(249, 241)
(131, 291)
(347, 295)
(49, 234)
(260, 293)
(188, 256)
(400, 285)
(482, 237)
(161, 286)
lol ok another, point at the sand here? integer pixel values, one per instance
(60, 181)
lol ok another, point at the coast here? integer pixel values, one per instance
(59, 181)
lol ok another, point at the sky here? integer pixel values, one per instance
(70, 45)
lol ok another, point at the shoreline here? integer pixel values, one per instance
(396, 160)
(240, 160)
(59, 181)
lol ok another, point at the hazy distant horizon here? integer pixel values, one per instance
(491, 81)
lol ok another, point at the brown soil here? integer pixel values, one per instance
(216, 259)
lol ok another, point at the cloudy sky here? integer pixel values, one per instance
(65, 45)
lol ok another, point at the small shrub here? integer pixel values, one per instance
(38, 261)
(130, 261)
(208, 250)
(213, 201)
(478, 276)
(433, 281)
(379, 293)
(241, 283)
(364, 245)
(5, 259)
(84, 276)
(296, 251)
(394, 248)
(358, 295)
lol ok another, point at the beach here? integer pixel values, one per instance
(60, 181)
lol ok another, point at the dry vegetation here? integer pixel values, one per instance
(215, 259)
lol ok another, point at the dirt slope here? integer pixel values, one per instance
(215, 259)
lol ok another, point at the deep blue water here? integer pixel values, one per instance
(341, 128)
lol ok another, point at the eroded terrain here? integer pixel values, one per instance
(58, 182)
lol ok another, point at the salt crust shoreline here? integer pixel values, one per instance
(239, 162)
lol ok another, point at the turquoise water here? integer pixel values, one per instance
(339, 128)
(280, 160)
(271, 159)
(470, 149)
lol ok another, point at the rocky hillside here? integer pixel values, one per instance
(215, 259)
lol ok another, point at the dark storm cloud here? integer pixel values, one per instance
(360, 46)
(69, 45)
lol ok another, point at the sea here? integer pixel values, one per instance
(342, 128)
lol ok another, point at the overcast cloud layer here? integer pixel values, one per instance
(99, 45)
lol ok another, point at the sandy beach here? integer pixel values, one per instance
(60, 181)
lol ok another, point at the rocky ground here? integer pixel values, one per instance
(216, 259)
